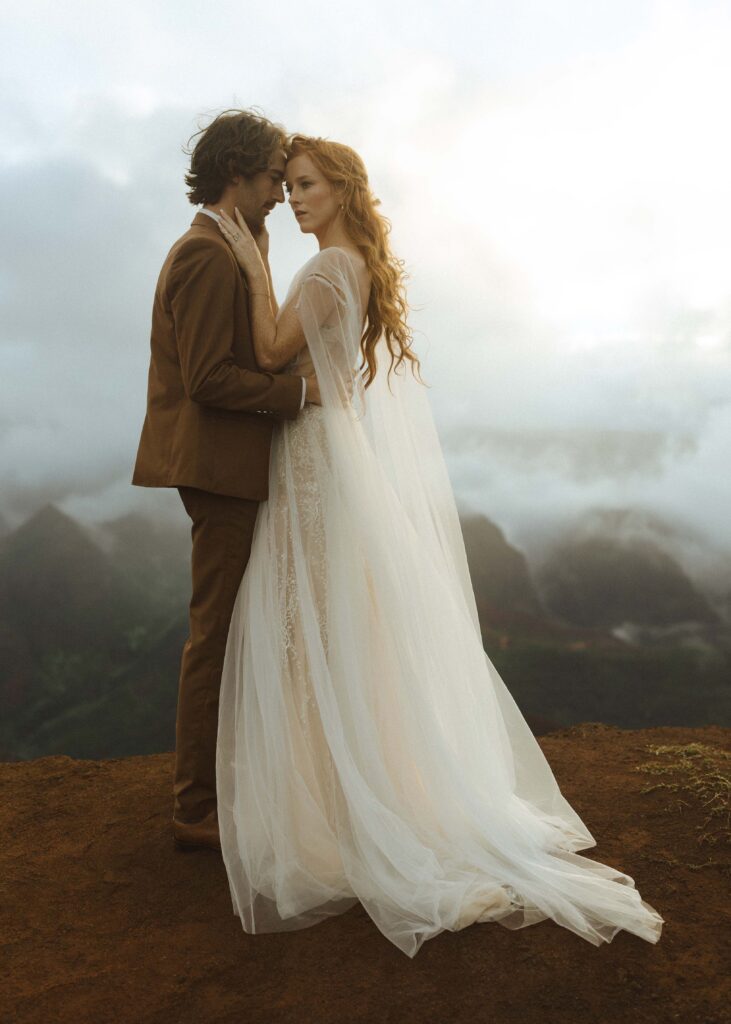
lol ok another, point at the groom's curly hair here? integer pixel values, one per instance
(235, 142)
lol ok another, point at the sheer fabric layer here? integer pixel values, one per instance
(368, 750)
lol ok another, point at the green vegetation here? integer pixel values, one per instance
(696, 774)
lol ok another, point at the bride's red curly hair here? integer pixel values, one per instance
(387, 306)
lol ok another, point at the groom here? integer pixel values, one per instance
(208, 426)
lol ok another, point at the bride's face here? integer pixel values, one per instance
(311, 196)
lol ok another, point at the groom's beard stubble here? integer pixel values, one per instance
(255, 225)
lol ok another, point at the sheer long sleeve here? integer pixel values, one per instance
(201, 293)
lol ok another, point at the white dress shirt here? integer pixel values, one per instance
(216, 217)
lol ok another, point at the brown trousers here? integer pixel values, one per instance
(222, 531)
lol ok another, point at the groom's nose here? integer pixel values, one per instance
(279, 193)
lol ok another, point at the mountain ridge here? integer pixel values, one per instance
(93, 620)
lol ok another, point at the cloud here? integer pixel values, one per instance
(556, 176)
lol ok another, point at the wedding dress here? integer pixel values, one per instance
(368, 750)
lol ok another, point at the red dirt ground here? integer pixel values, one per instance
(104, 920)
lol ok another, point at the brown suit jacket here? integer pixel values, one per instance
(210, 410)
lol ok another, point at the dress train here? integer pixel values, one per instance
(368, 750)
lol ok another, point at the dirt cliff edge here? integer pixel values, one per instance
(103, 919)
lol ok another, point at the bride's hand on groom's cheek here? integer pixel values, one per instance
(243, 244)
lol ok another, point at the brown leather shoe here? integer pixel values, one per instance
(200, 834)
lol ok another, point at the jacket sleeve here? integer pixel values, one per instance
(201, 288)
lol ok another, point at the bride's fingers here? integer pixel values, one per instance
(227, 230)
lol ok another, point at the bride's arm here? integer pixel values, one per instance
(262, 242)
(277, 334)
(276, 341)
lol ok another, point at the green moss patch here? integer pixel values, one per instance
(695, 775)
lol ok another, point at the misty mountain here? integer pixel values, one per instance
(56, 585)
(93, 621)
(70, 621)
(605, 581)
(499, 572)
(59, 595)
(154, 556)
(136, 715)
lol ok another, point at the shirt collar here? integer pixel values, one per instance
(210, 213)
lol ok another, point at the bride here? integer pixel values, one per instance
(368, 751)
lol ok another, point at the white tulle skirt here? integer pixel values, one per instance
(368, 750)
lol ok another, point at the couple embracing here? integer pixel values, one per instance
(341, 734)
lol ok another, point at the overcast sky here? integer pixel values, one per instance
(557, 174)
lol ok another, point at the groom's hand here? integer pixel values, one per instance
(312, 390)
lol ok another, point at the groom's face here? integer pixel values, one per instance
(257, 196)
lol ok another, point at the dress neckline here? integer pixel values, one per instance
(340, 248)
